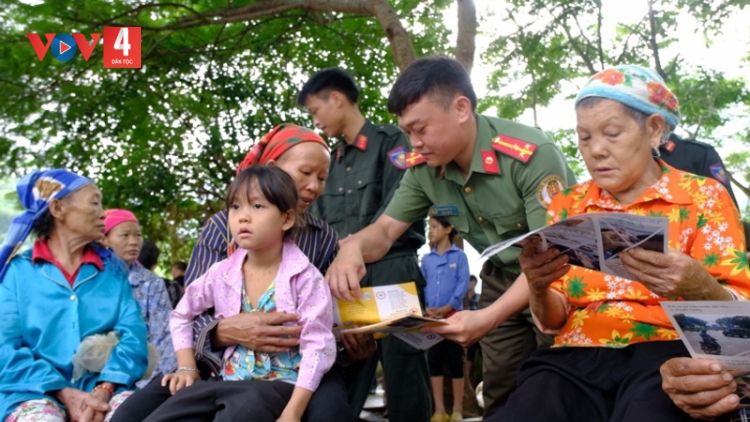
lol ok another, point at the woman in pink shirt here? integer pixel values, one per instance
(268, 273)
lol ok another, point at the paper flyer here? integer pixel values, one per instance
(594, 240)
(718, 330)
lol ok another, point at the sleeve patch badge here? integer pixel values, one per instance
(398, 157)
(513, 147)
(719, 173)
(548, 188)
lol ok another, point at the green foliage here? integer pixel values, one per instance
(163, 140)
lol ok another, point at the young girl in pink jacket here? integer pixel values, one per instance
(267, 273)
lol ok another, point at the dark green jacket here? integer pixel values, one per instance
(361, 183)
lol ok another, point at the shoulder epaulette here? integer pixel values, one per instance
(516, 148)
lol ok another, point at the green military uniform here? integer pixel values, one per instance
(515, 170)
(361, 182)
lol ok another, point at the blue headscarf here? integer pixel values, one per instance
(638, 87)
(35, 191)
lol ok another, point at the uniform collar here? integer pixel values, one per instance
(360, 142)
(481, 159)
(668, 188)
(453, 247)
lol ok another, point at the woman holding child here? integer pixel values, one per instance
(612, 334)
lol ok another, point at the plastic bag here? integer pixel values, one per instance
(94, 351)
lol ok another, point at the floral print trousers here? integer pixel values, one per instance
(44, 410)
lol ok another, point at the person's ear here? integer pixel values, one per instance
(56, 208)
(291, 217)
(463, 108)
(656, 126)
(271, 162)
(336, 98)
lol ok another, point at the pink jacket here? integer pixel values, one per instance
(300, 289)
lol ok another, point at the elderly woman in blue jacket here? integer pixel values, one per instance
(65, 289)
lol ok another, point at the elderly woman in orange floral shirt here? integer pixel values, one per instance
(612, 334)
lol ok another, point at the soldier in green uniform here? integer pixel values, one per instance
(366, 168)
(493, 179)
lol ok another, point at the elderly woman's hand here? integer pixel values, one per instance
(542, 268)
(359, 346)
(700, 387)
(672, 274)
(81, 406)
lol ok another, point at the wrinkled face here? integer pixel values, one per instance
(308, 164)
(255, 223)
(126, 240)
(616, 149)
(327, 112)
(81, 213)
(437, 232)
(434, 130)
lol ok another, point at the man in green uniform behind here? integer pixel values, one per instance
(361, 182)
(492, 179)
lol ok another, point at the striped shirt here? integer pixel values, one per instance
(317, 240)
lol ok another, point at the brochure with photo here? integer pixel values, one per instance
(594, 240)
(384, 310)
(718, 330)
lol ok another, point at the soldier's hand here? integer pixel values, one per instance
(345, 272)
(541, 268)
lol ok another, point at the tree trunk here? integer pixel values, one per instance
(467, 33)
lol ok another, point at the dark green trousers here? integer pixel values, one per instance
(506, 347)
(407, 379)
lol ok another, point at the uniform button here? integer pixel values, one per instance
(348, 191)
(341, 189)
(519, 225)
(348, 169)
(480, 219)
(72, 297)
(359, 182)
(467, 189)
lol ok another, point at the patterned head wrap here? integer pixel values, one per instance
(638, 87)
(35, 191)
(114, 217)
(276, 142)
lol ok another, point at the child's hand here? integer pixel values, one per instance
(180, 380)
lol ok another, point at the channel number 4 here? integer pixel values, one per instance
(121, 43)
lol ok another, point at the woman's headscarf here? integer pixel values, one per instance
(276, 142)
(638, 87)
(35, 191)
(115, 216)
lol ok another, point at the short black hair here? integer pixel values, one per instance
(182, 266)
(327, 80)
(445, 223)
(473, 278)
(276, 185)
(149, 255)
(439, 76)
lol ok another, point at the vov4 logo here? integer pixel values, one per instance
(122, 46)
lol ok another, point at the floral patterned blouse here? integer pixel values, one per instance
(606, 310)
(151, 293)
(246, 364)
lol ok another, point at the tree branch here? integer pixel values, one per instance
(599, 33)
(627, 39)
(740, 186)
(467, 33)
(652, 40)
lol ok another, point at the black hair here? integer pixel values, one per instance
(42, 226)
(275, 184)
(149, 255)
(472, 278)
(327, 80)
(637, 115)
(438, 76)
(444, 222)
(182, 266)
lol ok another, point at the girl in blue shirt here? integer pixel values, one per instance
(446, 270)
